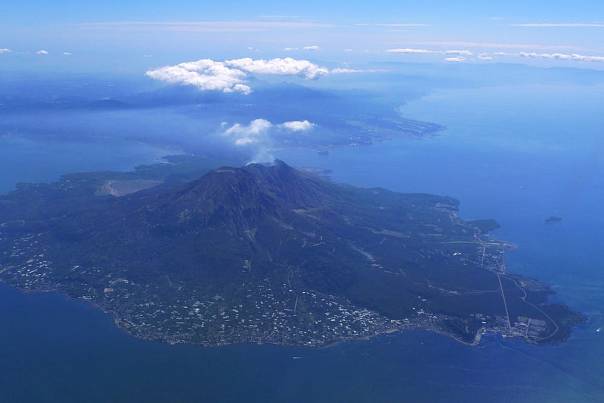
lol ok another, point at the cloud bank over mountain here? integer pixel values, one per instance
(231, 76)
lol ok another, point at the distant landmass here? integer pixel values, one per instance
(344, 118)
(182, 253)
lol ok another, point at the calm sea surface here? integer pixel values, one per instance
(518, 155)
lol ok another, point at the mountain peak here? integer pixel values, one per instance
(248, 194)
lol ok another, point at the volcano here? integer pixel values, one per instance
(271, 254)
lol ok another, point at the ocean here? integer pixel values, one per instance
(517, 154)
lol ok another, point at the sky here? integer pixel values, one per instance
(131, 36)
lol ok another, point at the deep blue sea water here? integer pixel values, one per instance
(516, 154)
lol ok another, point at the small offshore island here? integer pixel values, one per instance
(181, 253)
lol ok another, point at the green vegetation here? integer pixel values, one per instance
(267, 254)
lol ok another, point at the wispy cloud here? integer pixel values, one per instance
(279, 17)
(560, 25)
(454, 55)
(412, 51)
(457, 59)
(393, 25)
(42, 52)
(348, 70)
(562, 56)
(308, 48)
(463, 55)
(204, 26)
(4, 50)
(459, 52)
(493, 45)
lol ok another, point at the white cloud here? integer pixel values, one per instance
(464, 55)
(249, 134)
(258, 130)
(345, 70)
(562, 56)
(298, 125)
(42, 52)
(457, 59)
(311, 47)
(588, 58)
(204, 74)
(559, 25)
(459, 52)
(67, 53)
(348, 70)
(533, 55)
(416, 51)
(492, 45)
(279, 66)
(412, 51)
(4, 50)
(230, 76)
